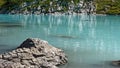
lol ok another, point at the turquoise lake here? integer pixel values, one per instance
(90, 41)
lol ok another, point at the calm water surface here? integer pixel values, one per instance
(89, 41)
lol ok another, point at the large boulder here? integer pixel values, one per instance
(33, 53)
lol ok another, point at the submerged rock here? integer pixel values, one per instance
(11, 24)
(116, 63)
(33, 53)
(64, 36)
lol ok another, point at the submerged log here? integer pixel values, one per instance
(33, 53)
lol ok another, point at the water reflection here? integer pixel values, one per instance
(87, 39)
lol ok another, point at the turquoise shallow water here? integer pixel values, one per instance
(90, 41)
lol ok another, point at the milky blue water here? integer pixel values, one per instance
(90, 41)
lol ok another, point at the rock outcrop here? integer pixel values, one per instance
(33, 53)
(52, 7)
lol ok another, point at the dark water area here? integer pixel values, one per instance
(90, 41)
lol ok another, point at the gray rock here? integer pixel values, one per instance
(1, 56)
(33, 53)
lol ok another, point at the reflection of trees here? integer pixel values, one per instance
(71, 24)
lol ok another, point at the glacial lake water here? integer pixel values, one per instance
(90, 41)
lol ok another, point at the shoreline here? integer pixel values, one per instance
(58, 13)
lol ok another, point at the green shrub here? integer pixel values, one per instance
(108, 6)
(113, 12)
(2, 2)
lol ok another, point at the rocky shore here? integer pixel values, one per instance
(50, 7)
(33, 53)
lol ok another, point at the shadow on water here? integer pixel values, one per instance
(64, 36)
(10, 24)
(5, 48)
